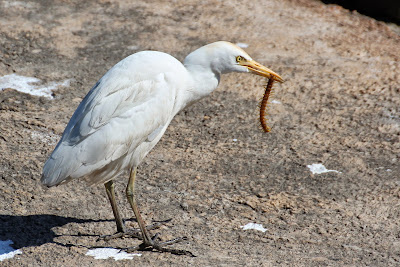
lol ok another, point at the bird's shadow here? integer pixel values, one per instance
(34, 230)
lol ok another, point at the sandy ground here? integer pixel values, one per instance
(339, 106)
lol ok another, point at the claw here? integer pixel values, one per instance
(133, 232)
(109, 237)
(159, 246)
(154, 238)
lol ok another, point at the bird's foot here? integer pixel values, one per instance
(155, 245)
(132, 232)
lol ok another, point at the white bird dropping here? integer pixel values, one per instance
(254, 226)
(105, 253)
(242, 45)
(27, 85)
(6, 251)
(318, 168)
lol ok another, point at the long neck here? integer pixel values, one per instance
(203, 82)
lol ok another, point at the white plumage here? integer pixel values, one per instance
(122, 117)
(128, 110)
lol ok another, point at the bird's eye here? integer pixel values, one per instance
(239, 58)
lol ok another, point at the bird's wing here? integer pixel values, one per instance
(117, 115)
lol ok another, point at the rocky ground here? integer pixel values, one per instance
(214, 170)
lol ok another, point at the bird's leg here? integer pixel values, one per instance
(121, 229)
(130, 194)
(149, 243)
(110, 189)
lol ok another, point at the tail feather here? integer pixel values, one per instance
(59, 166)
(65, 163)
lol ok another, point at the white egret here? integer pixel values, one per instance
(128, 110)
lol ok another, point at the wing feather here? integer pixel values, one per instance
(117, 115)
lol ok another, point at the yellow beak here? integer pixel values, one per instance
(259, 69)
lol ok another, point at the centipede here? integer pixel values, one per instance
(264, 104)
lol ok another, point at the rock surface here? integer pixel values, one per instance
(214, 170)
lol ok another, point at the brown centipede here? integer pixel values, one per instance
(263, 106)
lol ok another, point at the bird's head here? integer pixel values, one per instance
(224, 57)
